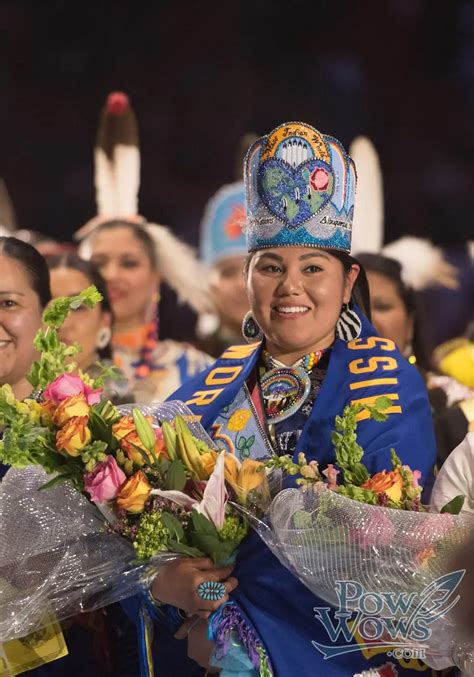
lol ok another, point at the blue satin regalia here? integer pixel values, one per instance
(275, 604)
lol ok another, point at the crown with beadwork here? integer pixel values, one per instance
(300, 190)
(222, 225)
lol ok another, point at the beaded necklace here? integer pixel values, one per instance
(285, 389)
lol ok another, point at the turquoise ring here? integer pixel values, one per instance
(211, 591)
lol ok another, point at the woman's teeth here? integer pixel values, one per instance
(291, 310)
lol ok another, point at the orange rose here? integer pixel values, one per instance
(47, 412)
(123, 427)
(126, 434)
(129, 444)
(72, 407)
(73, 436)
(134, 493)
(390, 483)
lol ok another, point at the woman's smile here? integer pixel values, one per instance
(290, 312)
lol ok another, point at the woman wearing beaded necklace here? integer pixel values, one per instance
(312, 352)
(134, 257)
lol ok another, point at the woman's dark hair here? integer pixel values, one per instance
(34, 264)
(392, 270)
(139, 233)
(89, 270)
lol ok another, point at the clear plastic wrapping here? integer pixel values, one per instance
(324, 538)
(55, 552)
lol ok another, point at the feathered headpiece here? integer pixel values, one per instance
(117, 183)
(7, 212)
(422, 263)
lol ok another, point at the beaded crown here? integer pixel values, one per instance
(300, 190)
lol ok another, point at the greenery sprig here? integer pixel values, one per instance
(55, 356)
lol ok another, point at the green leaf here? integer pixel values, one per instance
(182, 549)
(176, 476)
(59, 479)
(241, 443)
(454, 506)
(202, 525)
(100, 429)
(173, 525)
(219, 551)
(250, 441)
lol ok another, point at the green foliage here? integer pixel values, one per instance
(175, 476)
(454, 506)
(348, 452)
(55, 356)
(152, 535)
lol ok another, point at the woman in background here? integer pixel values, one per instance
(128, 259)
(90, 328)
(134, 258)
(394, 315)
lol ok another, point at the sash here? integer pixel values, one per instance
(358, 371)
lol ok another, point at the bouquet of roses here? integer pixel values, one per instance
(98, 496)
(350, 536)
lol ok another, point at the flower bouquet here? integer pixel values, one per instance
(367, 545)
(99, 496)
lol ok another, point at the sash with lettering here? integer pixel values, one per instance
(275, 603)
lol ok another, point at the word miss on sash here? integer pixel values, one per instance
(374, 364)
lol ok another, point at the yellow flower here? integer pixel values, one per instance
(71, 407)
(35, 410)
(239, 420)
(208, 461)
(243, 477)
(134, 493)
(73, 436)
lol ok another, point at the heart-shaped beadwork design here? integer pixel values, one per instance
(294, 195)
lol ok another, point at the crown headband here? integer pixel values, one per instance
(300, 190)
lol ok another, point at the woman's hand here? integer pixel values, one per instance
(176, 583)
(199, 647)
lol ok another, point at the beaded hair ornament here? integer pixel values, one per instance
(300, 190)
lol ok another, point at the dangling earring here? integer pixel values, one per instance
(348, 326)
(250, 329)
(408, 353)
(103, 337)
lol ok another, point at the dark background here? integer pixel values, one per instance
(202, 73)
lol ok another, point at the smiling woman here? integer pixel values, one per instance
(315, 353)
(24, 292)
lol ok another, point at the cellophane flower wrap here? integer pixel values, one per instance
(339, 524)
(98, 496)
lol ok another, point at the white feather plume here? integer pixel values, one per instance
(367, 232)
(127, 179)
(104, 180)
(180, 269)
(423, 264)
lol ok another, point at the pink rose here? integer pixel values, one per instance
(104, 482)
(71, 384)
(378, 531)
(319, 179)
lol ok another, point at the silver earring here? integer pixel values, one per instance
(103, 337)
(250, 329)
(348, 326)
